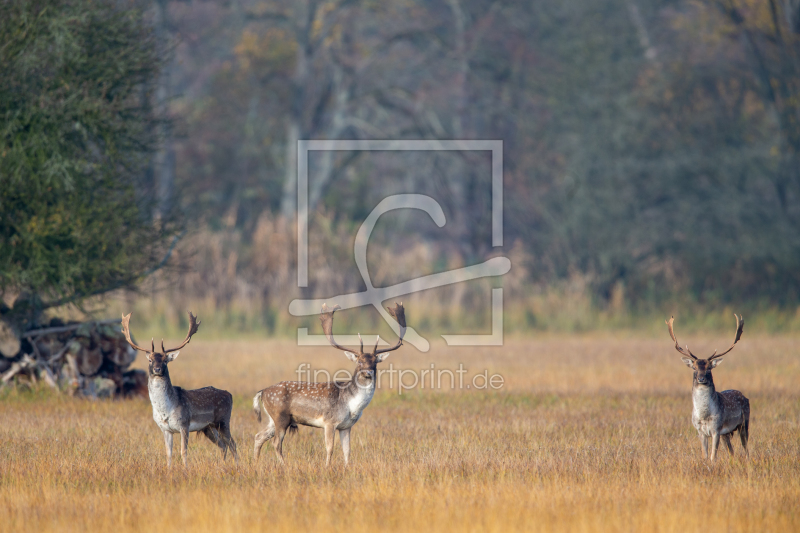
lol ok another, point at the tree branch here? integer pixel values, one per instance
(120, 284)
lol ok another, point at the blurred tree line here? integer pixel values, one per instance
(650, 145)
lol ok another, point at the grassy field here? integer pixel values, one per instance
(588, 433)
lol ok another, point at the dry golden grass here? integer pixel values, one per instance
(588, 434)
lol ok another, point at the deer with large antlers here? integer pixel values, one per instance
(331, 405)
(177, 410)
(716, 415)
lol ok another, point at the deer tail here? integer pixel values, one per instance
(257, 405)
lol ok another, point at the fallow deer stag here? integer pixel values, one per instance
(715, 414)
(328, 405)
(177, 410)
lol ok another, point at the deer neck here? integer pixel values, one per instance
(704, 397)
(162, 393)
(358, 394)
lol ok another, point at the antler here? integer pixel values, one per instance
(739, 331)
(193, 325)
(678, 346)
(327, 326)
(126, 330)
(399, 314)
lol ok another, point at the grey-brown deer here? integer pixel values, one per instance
(331, 405)
(176, 410)
(715, 415)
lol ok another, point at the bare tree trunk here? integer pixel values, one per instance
(289, 200)
(323, 177)
(461, 176)
(650, 52)
(791, 9)
(164, 163)
(304, 14)
(459, 21)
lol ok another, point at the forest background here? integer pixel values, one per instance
(651, 157)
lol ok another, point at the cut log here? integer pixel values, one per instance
(108, 345)
(103, 387)
(89, 361)
(70, 373)
(62, 350)
(134, 383)
(13, 371)
(76, 345)
(42, 348)
(9, 339)
(122, 355)
(48, 376)
(87, 357)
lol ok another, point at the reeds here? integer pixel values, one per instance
(243, 286)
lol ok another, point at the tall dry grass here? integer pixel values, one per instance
(589, 433)
(241, 284)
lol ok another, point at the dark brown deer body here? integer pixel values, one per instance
(332, 405)
(176, 410)
(715, 415)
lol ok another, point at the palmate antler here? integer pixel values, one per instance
(126, 330)
(739, 331)
(193, 325)
(685, 352)
(715, 355)
(398, 313)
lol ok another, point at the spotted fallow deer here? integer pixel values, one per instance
(715, 414)
(176, 410)
(331, 405)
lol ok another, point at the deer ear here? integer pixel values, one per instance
(716, 362)
(688, 362)
(382, 357)
(353, 357)
(149, 356)
(172, 356)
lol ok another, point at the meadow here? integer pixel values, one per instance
(589, 432)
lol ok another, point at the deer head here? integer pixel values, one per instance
(159, 360)
(702, 367)
(366, 362)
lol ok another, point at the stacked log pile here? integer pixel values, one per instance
(85, 358)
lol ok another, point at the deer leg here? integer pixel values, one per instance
(744, 437)
(184, 444)
(261, 438)
(727, 439)
(714, 446)
(744, 428)
(224, 427)
(218, 438)
(704, 445)
(212, 435)
(229, 443)
(344, 436)
(168, 444)
(330, 437)
(278, 443)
